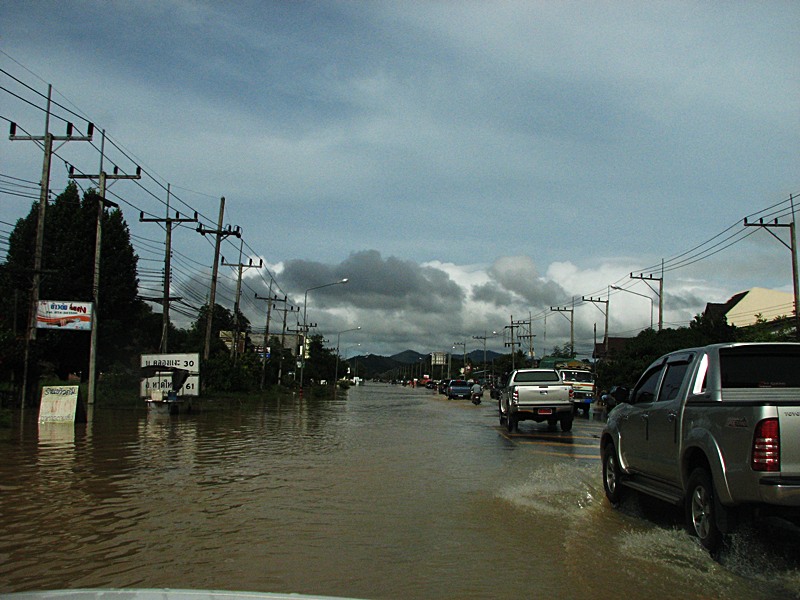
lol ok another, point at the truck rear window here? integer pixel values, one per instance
(531, 376)
(582, 376)
(760, 366)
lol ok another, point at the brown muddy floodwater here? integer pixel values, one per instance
(387, 492)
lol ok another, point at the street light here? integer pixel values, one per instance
(336, 376)
(305, 326)
(614, 287)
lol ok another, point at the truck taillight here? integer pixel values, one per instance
(515, 396)
(766, 454)
(571, 393)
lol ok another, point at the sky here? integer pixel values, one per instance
(465, 165)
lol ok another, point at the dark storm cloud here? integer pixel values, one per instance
(518, 274)
(491, 293)
(376, 283)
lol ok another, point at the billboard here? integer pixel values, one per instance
(439, 358)
(64, 314)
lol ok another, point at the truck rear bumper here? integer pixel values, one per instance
(781, 491)
(540, 413)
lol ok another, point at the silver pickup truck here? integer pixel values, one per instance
(716, 429)
(538, 395)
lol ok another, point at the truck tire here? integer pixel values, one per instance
(701, 518)
(612, 475)
(511, 423)
(566, 424)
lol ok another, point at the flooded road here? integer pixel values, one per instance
(387, 492)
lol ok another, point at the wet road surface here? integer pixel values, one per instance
(387, 492)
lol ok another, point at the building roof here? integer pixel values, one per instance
(742, 309)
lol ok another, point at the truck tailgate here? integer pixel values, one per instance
(790, 440)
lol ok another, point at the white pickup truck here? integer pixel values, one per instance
(538, 395)
(716, 429)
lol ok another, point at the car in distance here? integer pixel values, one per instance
(458, 388)
(538, 395)
(715, 429)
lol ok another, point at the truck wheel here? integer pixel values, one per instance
(511, 423)
(612, 475)
(566, 424)
(700, 514)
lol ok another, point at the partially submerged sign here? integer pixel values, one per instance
(179, 373)
(60, 404)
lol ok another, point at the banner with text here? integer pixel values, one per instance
(59, 404)
(64, 314)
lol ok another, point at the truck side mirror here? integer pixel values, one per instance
(621, 394)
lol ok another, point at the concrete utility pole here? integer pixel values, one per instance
(512, 343)
(792, 247)
(286, 309)
(597, 301)
(240, 265)
(166, 299)
(270, 299)
(102, 177)
(525, 333)
(219, 233)
(47, 145)
(571, 318)
(479, 337)
(659, 293)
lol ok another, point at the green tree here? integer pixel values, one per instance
(221, 320)
(68, 264)
(321, 361)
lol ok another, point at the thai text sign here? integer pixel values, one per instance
(64, 314)
(59, 404)
(162, 380)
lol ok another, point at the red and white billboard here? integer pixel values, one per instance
(58, 314)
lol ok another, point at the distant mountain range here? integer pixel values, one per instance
(408, 361)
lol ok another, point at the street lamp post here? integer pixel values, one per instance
(614, 287)
(336, 376)
(305, 328)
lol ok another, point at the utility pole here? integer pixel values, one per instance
(792, 247)
(597, 301)
(47, 139)
(512, 343)
(270, 299)
(571, 318)
(166, 299)
(526, 334)
(240, 265)
(102, 177)
(219, 233)
(286, 309)
(660, 291)
(479, 337)
(301, 334)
